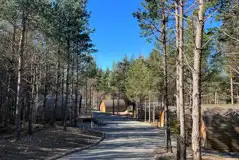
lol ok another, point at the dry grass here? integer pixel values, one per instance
(45, 143)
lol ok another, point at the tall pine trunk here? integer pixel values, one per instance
(118, 102)
(168, 146)
(177, 57)
(36, 94)
(80, 104)
(113, 104)
(145, 110)
(67, 84)
(57, 88)
(72, 91)
(46, 86)
(31, 104)
(196, 106)
(177, 74)
(76, 108)
(232, 88)
(86, 94)
(149, 110)
(181, 83)
(19, 78)
(62, 95)
(9, 78)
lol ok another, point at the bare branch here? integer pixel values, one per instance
(207, 41)
(155, 27)
(186, 60)
(230, 36)
(209, 16)
(233, 69)
(191, 6)
(8, 87)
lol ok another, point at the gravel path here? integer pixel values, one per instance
(124, 139)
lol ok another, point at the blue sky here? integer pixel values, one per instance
(117, 32)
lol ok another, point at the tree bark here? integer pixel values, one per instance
(168, 146)
(113, 105)
(145, 111)
(45, 87)
(36, 95)
(76, 92)
(86, 93)
(62, 94)
(9, 78)
(177, 57)
(216, 98)
(149, 110)
(153, 113)
(196, 106)
(90, 87)
(31, 103)
(19, 78)
(118, 102)
(72, 91)
(67, 84)
(181, 83)
(232, 90)
(57, 87)
(80, 104)
(177, 74)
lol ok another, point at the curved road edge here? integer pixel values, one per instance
(60, 155)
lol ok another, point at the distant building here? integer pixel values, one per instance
(107, 105)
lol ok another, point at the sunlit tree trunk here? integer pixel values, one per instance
(232, 90)
(177, 72)
(113, 104)
(145, 110)
(149, 110)
(181, 83)
(196, 106)
(177, 56)
(118, 101)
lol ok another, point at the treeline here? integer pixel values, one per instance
(192, 63)
(45, 54)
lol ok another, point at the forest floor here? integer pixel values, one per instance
(46, 143)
